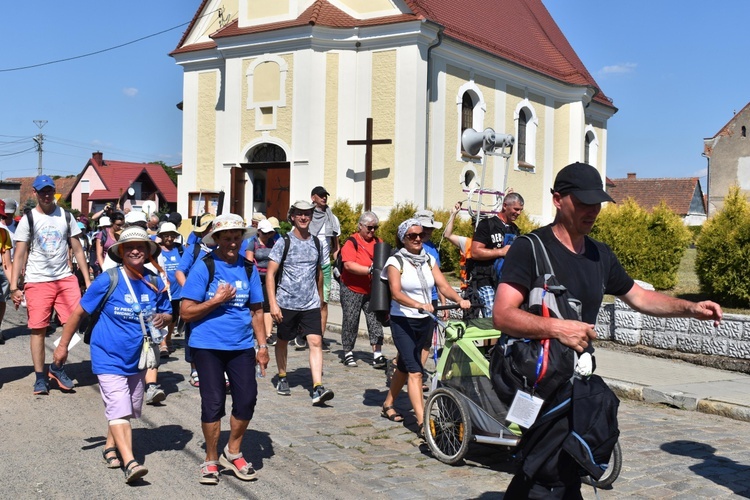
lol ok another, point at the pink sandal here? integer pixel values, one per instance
(209, 472)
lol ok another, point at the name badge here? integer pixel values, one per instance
(524, 409)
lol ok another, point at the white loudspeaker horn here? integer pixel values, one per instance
(502, 141)
(148, 207)
(471, 141)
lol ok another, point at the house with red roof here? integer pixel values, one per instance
(283, 95)
(683, 196)
(122, 183)
(728, 155)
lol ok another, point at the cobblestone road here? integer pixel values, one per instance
(345, 450)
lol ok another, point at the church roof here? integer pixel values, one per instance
(520, 31)
(677, 193)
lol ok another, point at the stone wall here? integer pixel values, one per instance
(621, 324)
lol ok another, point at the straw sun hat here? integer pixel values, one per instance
(228, 222)
(129, 235)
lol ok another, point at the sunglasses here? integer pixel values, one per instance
(371, 228)
(414, 236)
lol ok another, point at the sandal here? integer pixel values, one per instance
(163, 352)
(135, 472)
(420, 432)
(209, 472)
(349, 360)
(393, 417)
(194, 378)
(241, 468)
(113, 462)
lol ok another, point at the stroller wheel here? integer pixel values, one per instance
(447, 425)
(612, 472)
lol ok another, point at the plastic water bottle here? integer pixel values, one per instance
(148, 317)
(258, 371)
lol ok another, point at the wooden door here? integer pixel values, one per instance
(277, 192)
(237, 201)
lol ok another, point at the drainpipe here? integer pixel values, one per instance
(437, 43)
(708, 183)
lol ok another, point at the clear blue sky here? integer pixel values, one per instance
(675, 69)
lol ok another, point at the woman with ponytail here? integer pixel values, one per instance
(118, 338)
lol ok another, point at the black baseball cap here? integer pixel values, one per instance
(319, 191)
(583, 181)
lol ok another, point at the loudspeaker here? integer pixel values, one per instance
(472, 141)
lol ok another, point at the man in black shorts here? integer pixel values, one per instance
(588, 269)
(295, 303)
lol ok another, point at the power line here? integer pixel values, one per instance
(19, 152)
(19, 68)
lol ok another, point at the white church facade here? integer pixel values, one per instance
(275, 89)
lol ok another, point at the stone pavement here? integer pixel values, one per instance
(655, 380)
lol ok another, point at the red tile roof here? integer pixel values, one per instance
(117, 176)
(520, 31)
(648, 193)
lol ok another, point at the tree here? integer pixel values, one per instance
(169, 170)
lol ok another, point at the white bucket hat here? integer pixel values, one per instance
(105, 221)
(228, 222)
(131, 234)
(427, 219)
(167, 227)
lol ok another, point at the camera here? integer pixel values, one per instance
(108, 207)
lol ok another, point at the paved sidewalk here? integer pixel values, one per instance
(654, 380)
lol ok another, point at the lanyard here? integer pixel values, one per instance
(136, 302)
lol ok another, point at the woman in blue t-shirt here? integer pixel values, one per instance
(223, 301)
(117, 339)
(171, 254)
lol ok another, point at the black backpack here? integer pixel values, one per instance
(338, 264)
(514, 363)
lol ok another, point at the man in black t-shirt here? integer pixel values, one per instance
(588, 269)
(492, 239)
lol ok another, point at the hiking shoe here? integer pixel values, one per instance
(155, 395)
(379, 362)
(300, 343)
(62, 379)
(272, 339)
(320, 395)
(41, 387)
(282, 387)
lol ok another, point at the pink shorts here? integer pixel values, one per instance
(64, 295)
(122, 394)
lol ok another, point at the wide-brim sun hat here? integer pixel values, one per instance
(203, 222)
(228, 222)
(274, 222)
(167, 227)
(130, 235)
(301, 205)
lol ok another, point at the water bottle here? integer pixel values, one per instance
(148, 317)
(258, 371)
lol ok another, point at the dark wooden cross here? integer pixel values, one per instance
(369, 143)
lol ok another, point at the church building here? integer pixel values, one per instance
(276, 91)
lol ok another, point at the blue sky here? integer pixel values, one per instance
(675, 69)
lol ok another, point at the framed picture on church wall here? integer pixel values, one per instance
(203, 202)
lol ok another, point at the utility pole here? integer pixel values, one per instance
(39, 139)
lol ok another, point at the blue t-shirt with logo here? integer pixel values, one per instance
(228, 327)
(171, 261)
(117, 337)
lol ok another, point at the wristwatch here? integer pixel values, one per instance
(14, 290)
(263, 346)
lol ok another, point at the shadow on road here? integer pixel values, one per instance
(721, 470)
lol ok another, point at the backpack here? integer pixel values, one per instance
(338, 264)
(114, 279)
(280, 271)
(68, 220)
(540, 366)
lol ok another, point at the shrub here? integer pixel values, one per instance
(723, 251)
(348, 217)
(649, 245)
(398, 214)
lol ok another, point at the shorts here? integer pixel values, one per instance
(4, 286)
(64, 295)
(409, 336)
(307, 321)
(122, 394)
(175, 310)
(239, 367)
(326, 270)
(266, 305)
(427, 346)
